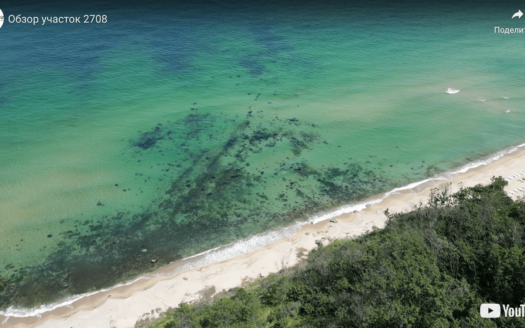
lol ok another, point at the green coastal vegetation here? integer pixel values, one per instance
(122, 152)
(430, 267)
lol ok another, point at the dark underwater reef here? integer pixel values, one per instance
(219, 192)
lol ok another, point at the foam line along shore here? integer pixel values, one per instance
(225, 267)
(140, 149)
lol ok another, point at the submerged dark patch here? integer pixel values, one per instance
(149, 139)
(215, 197)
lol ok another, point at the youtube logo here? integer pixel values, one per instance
(490, 310)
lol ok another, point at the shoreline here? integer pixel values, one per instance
(227, 266)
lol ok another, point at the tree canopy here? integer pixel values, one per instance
(430, 267)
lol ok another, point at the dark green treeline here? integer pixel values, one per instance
(430, 267)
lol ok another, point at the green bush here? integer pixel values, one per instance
(430, 267)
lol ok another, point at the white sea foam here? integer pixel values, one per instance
(217, 254)
(452, 91)
(237, 248)
(252, 243)
(444, 176)
(38, 311)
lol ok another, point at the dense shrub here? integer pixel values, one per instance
(430, 267)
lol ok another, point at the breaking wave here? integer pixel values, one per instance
(252, 243)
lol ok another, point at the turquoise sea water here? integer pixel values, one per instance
(193, 125)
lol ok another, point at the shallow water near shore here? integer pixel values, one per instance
(202, 130)
(258, 241)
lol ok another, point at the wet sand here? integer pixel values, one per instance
(123, 306)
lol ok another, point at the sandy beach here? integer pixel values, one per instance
(123, 306)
